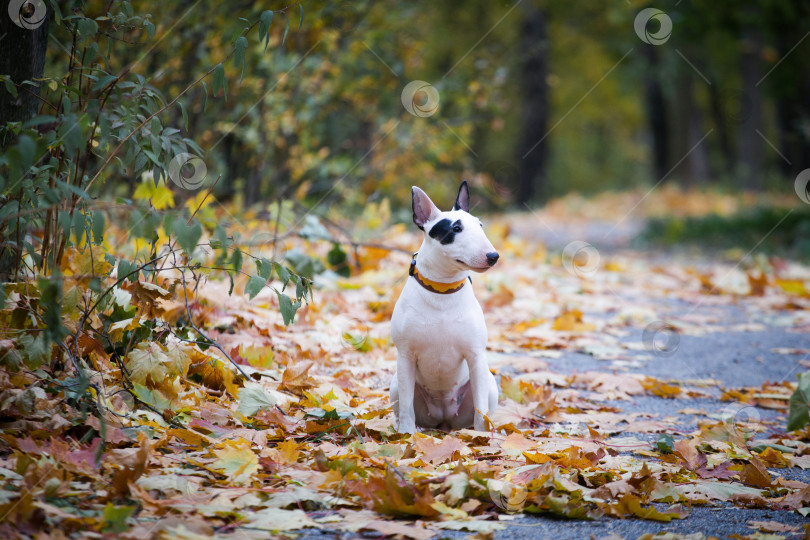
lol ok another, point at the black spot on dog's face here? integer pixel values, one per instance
(445, 231)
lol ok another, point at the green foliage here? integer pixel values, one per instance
(665, 444)
(220, 82)
(188, 233)
(254, 286)
(338, 260)
(799, 412)
(115, 517)
(744, 229)
(104, 125)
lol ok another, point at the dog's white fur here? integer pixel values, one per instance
(443, 378)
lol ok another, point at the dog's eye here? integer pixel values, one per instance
(457, 229)
(482, 225)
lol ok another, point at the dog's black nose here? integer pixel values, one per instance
(492, 258)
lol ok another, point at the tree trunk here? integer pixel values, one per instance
(721, 120)
(792, 88)
(533, 145)
(656, 114)
(792, 114)
(22, 59)
(751, 151)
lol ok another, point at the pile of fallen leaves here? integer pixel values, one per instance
(298, 431)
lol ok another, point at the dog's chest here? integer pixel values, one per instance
(439, 331)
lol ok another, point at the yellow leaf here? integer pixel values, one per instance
(450, 513)
(236, 460)
(793, 286)
(200, 200)
(117, 329)
(536, 457)
(571, 321)
(90, 262)
(159, 196)
(288, 451)
(774, 458)
(660, 388)
(152, 365)
(214, 373)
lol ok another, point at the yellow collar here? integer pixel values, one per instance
(434, 286)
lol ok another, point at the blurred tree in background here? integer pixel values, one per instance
(536, 98)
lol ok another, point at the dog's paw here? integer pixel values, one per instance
(479, 423)
(406, 427)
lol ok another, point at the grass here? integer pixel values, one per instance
(786, 231)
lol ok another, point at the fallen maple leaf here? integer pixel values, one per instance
(755, 474)
(236, 460)
(449, 448)
(391, 494)
(254, 398)
(132, 463)
(631, 505)
(687, 450)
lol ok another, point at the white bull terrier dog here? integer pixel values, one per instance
(443, 379)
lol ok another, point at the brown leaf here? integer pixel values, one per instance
(772, 526)
(296, 377)
(720, 471)
(755, 474)
(132, 463)
(758, 284)
(516, 441)
(612, 490)
(797, 500)
(449, 448)
(630, 505)
(687, 450)
(392, 495)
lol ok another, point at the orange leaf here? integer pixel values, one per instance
(449, 448)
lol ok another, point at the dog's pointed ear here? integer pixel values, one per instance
(463, 198)
(423, 208)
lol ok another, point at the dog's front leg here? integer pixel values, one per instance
(479, 384)
(406, 379)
